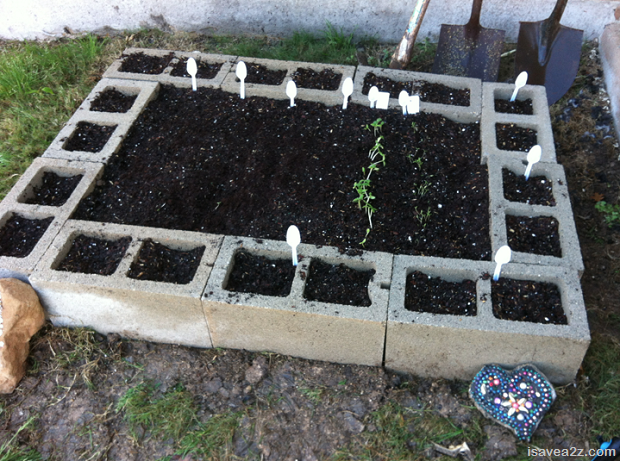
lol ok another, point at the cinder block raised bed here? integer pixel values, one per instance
(293, 324)
(121, 302)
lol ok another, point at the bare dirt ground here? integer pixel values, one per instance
(81, 396)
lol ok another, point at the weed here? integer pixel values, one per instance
(422, 216)
(422, 189)
(10, 452)
(611, 212)
(312, 394)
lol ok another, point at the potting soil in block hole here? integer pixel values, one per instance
(19, 235)
(527, 301)
(112, 100)
(90, 255)
(537, 190)
(326, 79)
(537, 235)
(205, 70)
(337, 284)
(512, 137)
(257, 73)
(424, 293)
(436, 93)
(254, 167)
(515, 107)
(89, 137)
(159, 263)
(252, 273)
(54, 189)
(140, 63)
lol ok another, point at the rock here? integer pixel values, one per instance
(257, 371)
(21, 316)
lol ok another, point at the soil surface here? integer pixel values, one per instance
(159, 263)
(89, 137)
(527, 301)
(91, 255)
(54, 189)
(337, 284)
(539, 235)
(257, 73)
(326, 79)
(112, 100)
(140, 63)
(515, 107)
(512, 137)
(19, 235)
(537, 190)
(258, 274)
(424, 293)
(204, 69)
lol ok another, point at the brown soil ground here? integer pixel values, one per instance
(285, 408)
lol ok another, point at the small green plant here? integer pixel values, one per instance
(363, 243)
(422, 189)
(414, 125)
(376, 125)
(422, 216)
(611, 212)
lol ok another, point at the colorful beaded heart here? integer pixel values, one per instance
(517, 399)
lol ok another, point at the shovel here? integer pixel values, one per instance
(549, 52)
(404, 50)
(470, 50)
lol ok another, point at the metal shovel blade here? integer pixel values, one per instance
(550, 53)
(470, 50)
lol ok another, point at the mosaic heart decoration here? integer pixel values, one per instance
(517, 399)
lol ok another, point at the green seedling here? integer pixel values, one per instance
(611, 212)
(414, 125)
(363, 243)
(422, 189)
(422, 216)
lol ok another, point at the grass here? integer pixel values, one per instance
(9, 451)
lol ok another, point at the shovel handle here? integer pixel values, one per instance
(558, 11)
(474, 20)
(404, 50)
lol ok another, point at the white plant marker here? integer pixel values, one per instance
(242, 73)
(192, 69)
(373, 94)
(533, 156)
(293, 239)
(383, 100)
(502, 257)
(403, 99)
(291, 92)
(519, 83)
(347, 90)
(413, 106)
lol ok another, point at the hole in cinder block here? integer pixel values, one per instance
(205, 70)
(504, 106)
(425, 293)
(516, 138)
(141, 63)
(91, 255)
(537, 190)
(337, 284)
(527, 301)
(159, 263)
(257, 73)
(259, 274)
(325, 79)
(19, 235)
(113, 100)
(51, 189)
(89, 137)
(535, 235)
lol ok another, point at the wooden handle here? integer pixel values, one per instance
(475, 13)
(404, 50)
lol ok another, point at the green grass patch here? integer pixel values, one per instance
(11, 451)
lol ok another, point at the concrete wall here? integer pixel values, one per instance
(385, 19)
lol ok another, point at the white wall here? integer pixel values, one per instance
(385, 19)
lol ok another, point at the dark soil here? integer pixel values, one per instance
(537, 190)
(19, 235)
(260, 275)
(258, 73)
(254, 167)
(337, 284)
(112, 100)
(159, 263)
(516, 107)
(89, 137)
(512, 137)
(90, 255)
(538, 235)
(54, 189)
(424, 293)
(527, 301)
(429, 92)
(140, 63)
(326, 79)
(205, 70)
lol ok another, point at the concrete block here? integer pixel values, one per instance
(142, 309)
(538, 121)
(165, 77)
(293, 325)
(562, 211)
(15, 203)
(145, 91)
(279, 91)
(610, 59)
(463, 114)
(457, 347)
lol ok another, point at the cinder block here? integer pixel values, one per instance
(293, 325)
(146, 91)
(15, 203)
(562, 211)
(463, 114)
(144, 309)
(457, 347)
(329, 98)
(538, 121)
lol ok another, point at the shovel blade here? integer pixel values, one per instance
(552, 63)
(469, 52)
